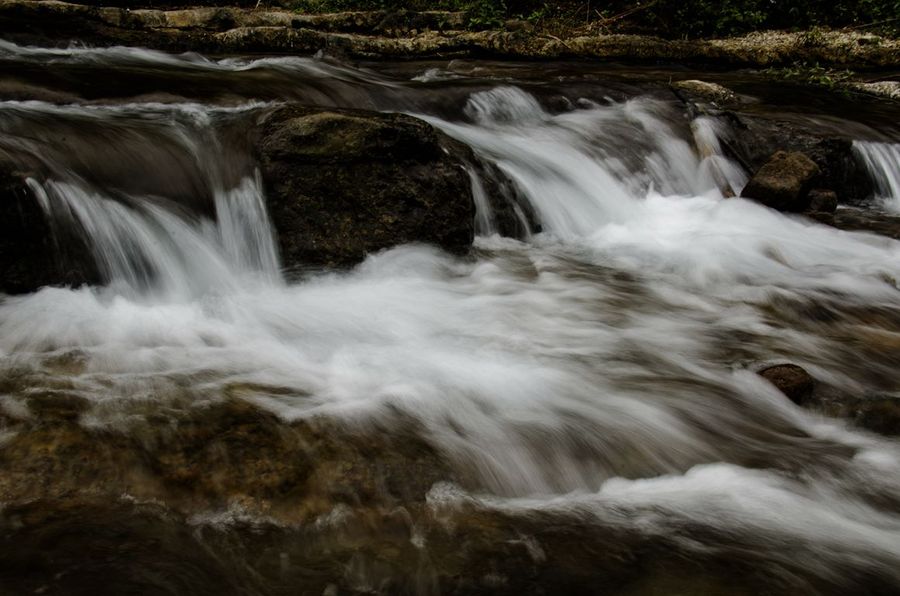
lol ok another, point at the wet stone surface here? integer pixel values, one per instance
(791, 380)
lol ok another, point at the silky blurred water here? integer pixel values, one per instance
(604, 366)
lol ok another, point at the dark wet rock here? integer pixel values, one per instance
(105, 547)
(511, 216)
(758, 137)
(234, 449)
(784, 182)
(876, 412)
(792, 380)
(822, 201)
(346, 183)
(125, 546)
(211, 455)
(33, 253)
(881, 415)
(14, 90)
(860, 220)
(839, 169)
(56, 405)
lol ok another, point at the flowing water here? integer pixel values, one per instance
(599, 370)
(881, 159)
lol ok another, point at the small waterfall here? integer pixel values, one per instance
(573, 168)
(883, 163)
(504, 105)
(485, 225)
(146, 247)
(164, 194)
(244, 232)
(721, 171)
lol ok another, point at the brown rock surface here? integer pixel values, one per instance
(784, 182)
(791, 380)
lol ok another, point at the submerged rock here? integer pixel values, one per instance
(790, 379)
(342, 184)
(123, 546)
(784, 182)
(879, 414)
(874, 411)
(202, 457)
(860, 220)
(822, 201)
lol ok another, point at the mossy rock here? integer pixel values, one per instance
(342, 184)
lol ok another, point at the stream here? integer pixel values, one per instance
(591, 385)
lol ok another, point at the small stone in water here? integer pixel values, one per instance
(783, 182)
(823, 201)
(790, 379)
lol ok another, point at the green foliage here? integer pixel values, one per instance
(538, 14)
(486, 14)
(698, 18)
(814, 74)
(806, 13)
(669, 18)
(482, 14)
(701, 17)
(729, 17)
(321, 6)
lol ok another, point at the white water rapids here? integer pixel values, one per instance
(602, 367)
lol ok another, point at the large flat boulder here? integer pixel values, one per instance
(342, 184)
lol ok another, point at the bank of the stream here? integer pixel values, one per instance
(409, 35)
